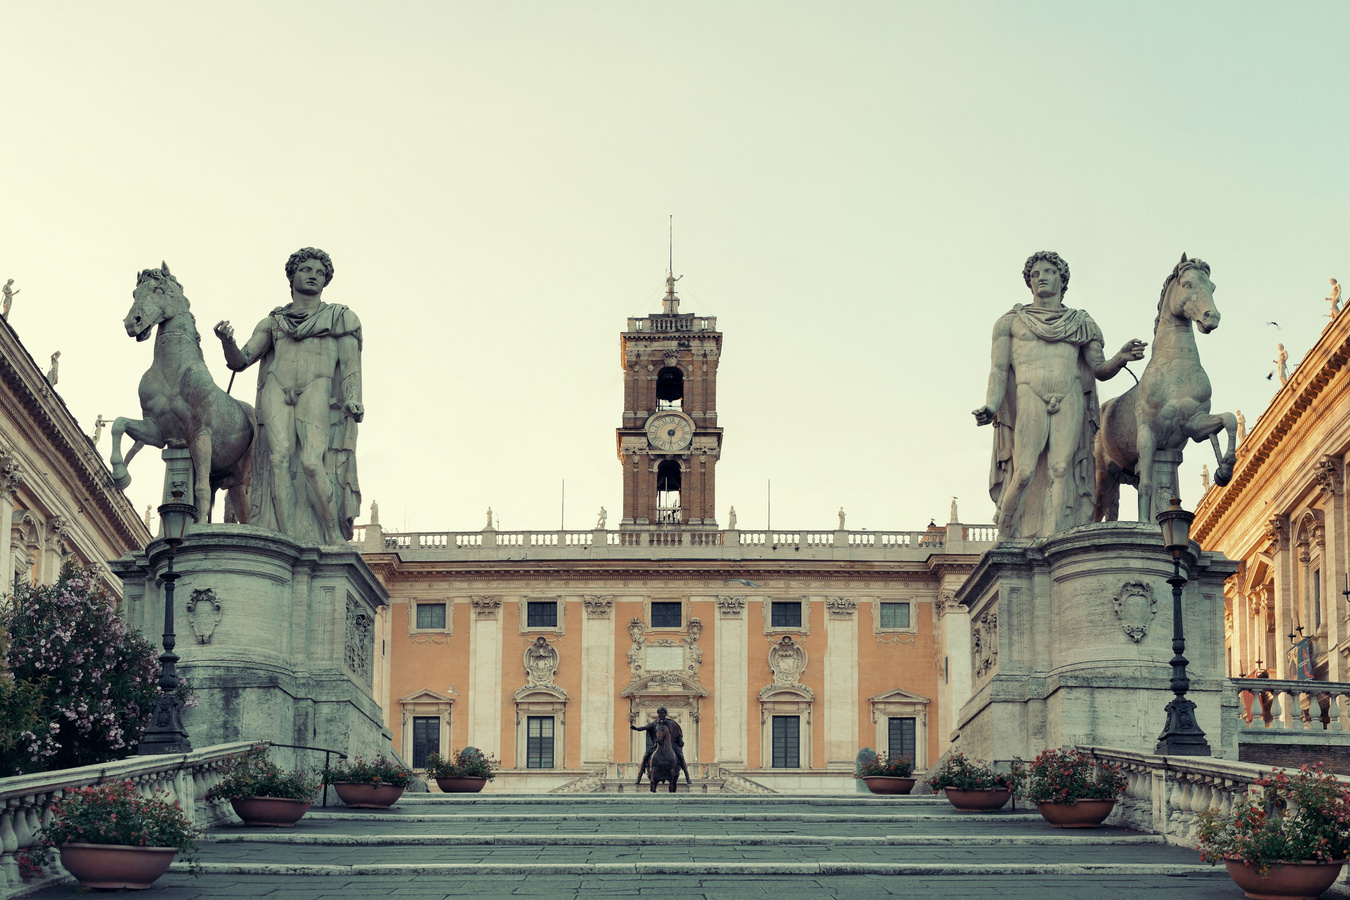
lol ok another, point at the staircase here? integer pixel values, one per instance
(620, 778)
(723, 845)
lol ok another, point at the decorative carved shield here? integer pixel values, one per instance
(1135, 607)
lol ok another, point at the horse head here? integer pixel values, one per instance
(157, 298)
(1188, 295)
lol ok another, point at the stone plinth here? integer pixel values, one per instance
(277, 638)
(1071, 639)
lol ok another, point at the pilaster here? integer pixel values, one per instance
(597, 681)
(485, 676)
(731, 682)
(841, 680)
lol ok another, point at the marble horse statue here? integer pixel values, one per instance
(665, 765)
(1170, 404)
(181, 405)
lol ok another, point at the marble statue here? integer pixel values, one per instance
(1335, 298)
(8, 292)
(488, 526)
(148, 510)
(54, 372)
(1042, 402)
(1241, 426)
(1204, 475)
(309, 404)
(953, 516)
(99, 423)
(1282, 365)
(731, 519)
(181, 404)
(841, 518)
(1168, 407)
(374, 513)
(601, 517)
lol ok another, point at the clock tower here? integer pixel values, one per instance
(669, 442)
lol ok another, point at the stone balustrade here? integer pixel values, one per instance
(1273, 704)
(26, 800)
(676, 541)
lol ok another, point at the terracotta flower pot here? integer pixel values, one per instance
(115, 867)
(274, 811)
(367, 796)
(1284, 880)
(1083, 814)
(979, 801)
(888, 784)
(461, 785)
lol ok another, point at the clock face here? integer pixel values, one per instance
(669, 432)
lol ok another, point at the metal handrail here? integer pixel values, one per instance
(327, 758)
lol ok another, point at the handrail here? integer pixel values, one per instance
(327, 758)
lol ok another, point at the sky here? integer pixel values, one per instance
(855, 187)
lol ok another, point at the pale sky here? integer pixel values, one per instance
(855, 188)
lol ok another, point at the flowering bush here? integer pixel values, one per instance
(90, 682)
(254, 775)
(116, 813)
(964, 774)
(1304, 816)
(468, 763)
(376, 771)
(1067, 776)
(899, 767)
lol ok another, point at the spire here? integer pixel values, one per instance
(671, 304)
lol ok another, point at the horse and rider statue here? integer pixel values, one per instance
(664, 759)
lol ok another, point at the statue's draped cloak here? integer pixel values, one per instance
(1033, 517)
(331, 320)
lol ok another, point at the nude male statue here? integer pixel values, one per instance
(1042, 401)
(8, 292)
(309, 402)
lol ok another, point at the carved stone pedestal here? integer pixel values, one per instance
(278, 639)
(1071, 639)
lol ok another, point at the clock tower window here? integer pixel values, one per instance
(668, 493)
(670, 388)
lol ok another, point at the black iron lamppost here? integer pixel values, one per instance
(1182, 735)
(166, 733)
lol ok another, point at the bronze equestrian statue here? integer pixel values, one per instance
(663, 735)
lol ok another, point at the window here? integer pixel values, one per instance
(667, 614)
(539, 742)
(541, 614)
(431, 615)
(895, 615)
(786, 741)
(900, 733)
(426, 737)
(786, 614)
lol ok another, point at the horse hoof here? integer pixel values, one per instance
(1223, 475)
(121, 478)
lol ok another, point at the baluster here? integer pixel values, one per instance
(1340, 707)
(1286, 703)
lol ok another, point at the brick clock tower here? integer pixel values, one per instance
(669, 441)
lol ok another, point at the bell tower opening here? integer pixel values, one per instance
(668, 478)
(670, 388)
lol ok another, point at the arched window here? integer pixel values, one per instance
(668, 492)
(670, 388)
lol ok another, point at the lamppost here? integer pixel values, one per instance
(1182, 735)
(166, 733)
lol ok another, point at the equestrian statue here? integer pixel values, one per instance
(664, 758)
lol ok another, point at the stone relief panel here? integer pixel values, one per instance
(203, 614)
(360, 651)
(1135, 605)
(541, 663)
(984, 644)
(787, 659)
(636, 656)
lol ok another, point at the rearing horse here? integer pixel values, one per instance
(664, 765)
(1170, 404)
(181, 404)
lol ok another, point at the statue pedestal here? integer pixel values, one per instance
(277, 638)
(1071, 639)
(1166, 485)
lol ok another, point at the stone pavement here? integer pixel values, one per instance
(715, 847)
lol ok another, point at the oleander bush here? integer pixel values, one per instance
(879, 764)
(963, 774)
(1067, 775)
(468, 763)
(252, 774)
(116, 813)
(373, 771)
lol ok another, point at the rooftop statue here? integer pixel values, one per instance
(181, 405)
(8, 292)
(309, 403)
(1334, 298)
(1170, 404)
(1042, 402)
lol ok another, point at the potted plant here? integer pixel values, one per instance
(374, 784)
(971, 785)
(465, 772)
(262, 793)
(886, 776)
(112, 837)
(1288, 840)
(1073, 790)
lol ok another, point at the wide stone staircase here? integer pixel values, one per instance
(684, 846)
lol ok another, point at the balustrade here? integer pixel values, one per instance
(1269, 703)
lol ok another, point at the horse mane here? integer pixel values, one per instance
(164, 278)
(1184, 266)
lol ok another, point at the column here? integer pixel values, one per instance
(597, 682)
(731, 684)
(841, 681)
(1284, 576)
(485, 677)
